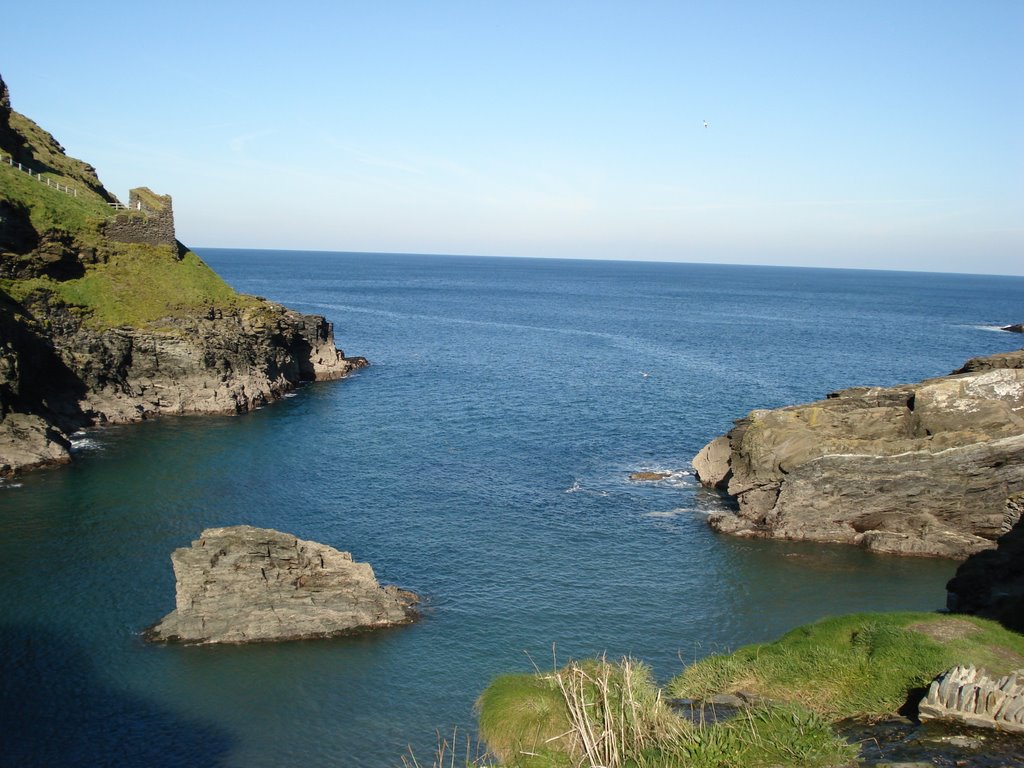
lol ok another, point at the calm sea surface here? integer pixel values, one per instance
(481, 461)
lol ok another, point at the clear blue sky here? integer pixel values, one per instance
(853, 134)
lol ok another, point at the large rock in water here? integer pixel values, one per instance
(243, 584)
(920, 469)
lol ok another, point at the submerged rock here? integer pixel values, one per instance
(243, 584)
(920, 469)
(644, 476)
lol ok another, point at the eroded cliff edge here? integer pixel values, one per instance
(105, 317)
(920, 469)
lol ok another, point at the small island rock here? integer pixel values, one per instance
(243, 584)
(1016, 328)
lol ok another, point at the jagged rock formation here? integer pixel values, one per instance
(145, 329)
(243, 584)
(922, 469)
(968, 695)
(991, 583)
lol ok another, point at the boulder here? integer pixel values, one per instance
(919, 469)
(1016, 328)
(243, 584)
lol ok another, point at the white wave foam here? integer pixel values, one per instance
(680, 477)
(82, 441)
(575, 487)
(997, 328)
(291, 394)
(668, 513)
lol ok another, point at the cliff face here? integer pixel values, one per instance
(95, 330)
(921, 469)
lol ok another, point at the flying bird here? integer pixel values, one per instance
(705, 123)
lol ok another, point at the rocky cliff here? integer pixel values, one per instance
(243, 584)
(94, 329)
(920, 469)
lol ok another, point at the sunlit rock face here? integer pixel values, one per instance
(918, 469)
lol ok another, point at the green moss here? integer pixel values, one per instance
(865, 664)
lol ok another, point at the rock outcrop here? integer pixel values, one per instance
(967, 695)
(58, 374)
(1015, 328)
(93, 330)
(920, 469)
(991, 583)
(243, 584)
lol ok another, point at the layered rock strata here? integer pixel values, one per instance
(243, 584)
(920, 469)
(967, 695)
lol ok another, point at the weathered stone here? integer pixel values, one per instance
(712, 463)
(968, 695)
(243, 584)
(920, 469)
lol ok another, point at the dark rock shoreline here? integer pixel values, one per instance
(59, 376)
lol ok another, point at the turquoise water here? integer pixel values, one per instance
(482, 461)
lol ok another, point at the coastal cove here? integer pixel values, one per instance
(482, 461)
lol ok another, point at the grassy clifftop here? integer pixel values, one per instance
(53, 250)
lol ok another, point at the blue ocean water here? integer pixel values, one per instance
(482, 461)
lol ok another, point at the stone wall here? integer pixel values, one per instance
(149, 219)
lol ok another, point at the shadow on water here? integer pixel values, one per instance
(56, 711)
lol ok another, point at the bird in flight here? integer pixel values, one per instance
(705, 123)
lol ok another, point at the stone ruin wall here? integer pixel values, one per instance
(149, 219)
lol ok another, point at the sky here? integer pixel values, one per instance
(879, 135)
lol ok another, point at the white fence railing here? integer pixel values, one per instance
(38, 176)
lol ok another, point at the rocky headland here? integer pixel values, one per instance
(918, 469)
(242, 584)
(105, 317)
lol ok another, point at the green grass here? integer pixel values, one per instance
(598, 713)
(521, 717)
(50, 209)
(859, 665)
(137, 286)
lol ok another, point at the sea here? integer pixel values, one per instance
(483, 461)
